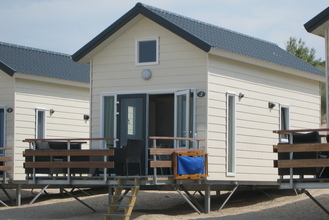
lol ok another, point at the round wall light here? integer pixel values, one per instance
(146, 74)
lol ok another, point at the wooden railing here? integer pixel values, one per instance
(293, 164)
(156, 153)
(4, 167)
(66, 161)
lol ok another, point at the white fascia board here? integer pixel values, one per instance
(264, 64)
(51, 80)
(106, 42)
(321, 30)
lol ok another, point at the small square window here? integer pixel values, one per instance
(147, 52)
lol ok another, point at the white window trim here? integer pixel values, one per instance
(187, 119)
(101, 118)
(44, 121)
(231, 94)
(137, 63)
(281, 138)
(4, 130)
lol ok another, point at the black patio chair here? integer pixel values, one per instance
(134, 153)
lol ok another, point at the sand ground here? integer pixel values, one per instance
(170, 205)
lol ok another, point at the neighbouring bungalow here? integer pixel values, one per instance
(43, 94)
(160, 74)
(319, 25)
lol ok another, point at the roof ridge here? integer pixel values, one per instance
(204, 23)
(33, 49)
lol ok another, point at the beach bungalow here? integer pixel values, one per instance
(159, 75)
(319, 25)
(165, 90)
(43, 94)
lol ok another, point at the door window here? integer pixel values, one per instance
(131, 120)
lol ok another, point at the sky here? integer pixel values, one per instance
(66, 25)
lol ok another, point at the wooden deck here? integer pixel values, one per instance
(308, 171)
(77, 166)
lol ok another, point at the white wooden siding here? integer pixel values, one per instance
(181, 66)
(70, 104)
(254, 120)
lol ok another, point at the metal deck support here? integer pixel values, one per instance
(193, 200)
(316, 201)
(38, 195)
(82, 202)
(187, 200)
(18, 195)
(291, 156)
(207, 199)
(155, 169)
(272, 198)
(228, 198)
(3, 203)
(7, 194)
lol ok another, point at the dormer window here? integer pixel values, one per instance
(147, 51)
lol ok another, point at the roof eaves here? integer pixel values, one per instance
(105, 34)
(317, 21)
(7, 69)
(138, 9)
(174, 28)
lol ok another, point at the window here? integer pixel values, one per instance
(230, 134)
(284, 122)
(40, 132)
(147, 51)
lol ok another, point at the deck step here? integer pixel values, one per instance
(124, 196)
(124, 186)
(120, 192)
(116, 215)
(118, 205)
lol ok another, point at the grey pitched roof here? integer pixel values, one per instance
(205, 36)
(15, 58)
(317, 21)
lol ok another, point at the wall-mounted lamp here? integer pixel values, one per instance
(201, 94)
(146, 74)
(241, 95)
(271, 105)
(10, 110)
(52, 111)
(86, 117)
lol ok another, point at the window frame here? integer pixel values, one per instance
(230, 132)
(103, 144)
(3, 142)
(156, 39)
(284, 138)
(37, 110)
